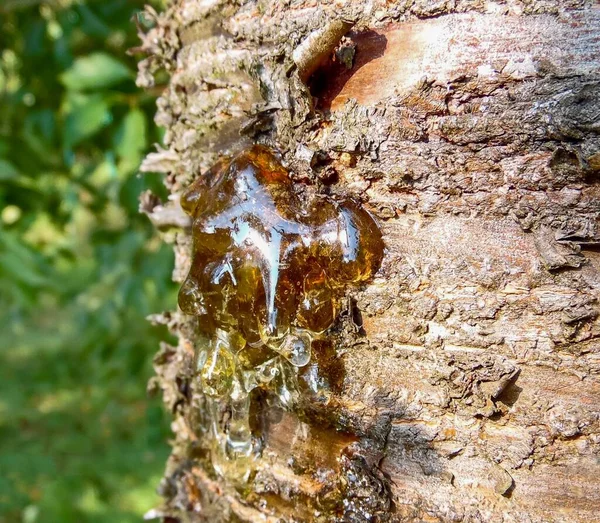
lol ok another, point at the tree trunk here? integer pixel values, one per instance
(469, 367)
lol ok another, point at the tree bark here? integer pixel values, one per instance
(470, 388)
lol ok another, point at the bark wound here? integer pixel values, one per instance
(267, 274)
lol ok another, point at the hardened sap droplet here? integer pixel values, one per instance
(232, 450)
(239, 436)
(316, 310)
(285, 384)
(191, 300)
(266, 372)
(218, 371)
(296, 348)
(268, 270)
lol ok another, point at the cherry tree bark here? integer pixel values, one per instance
(467, 371)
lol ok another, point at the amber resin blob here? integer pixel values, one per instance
(268, 270)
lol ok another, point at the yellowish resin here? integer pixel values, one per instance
(268, 271)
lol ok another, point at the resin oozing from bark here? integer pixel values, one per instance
(268, 270)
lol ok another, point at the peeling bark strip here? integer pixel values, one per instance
(318, 46)
(467, 372)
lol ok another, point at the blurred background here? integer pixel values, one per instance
(80, 269)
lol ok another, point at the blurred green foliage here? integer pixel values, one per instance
(80, 269)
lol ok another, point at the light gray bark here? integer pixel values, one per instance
(471, 129)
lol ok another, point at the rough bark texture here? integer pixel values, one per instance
(470, 128)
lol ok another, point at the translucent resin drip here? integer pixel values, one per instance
(267, 273)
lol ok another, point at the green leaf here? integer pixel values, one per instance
(22, 264)
(39, 133)
(104, 173)
(131, 138)
(95, 71)
(23, 273)
(91, 24)
(7, 170)
(84, 118)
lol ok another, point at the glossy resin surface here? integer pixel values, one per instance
(268, 271)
